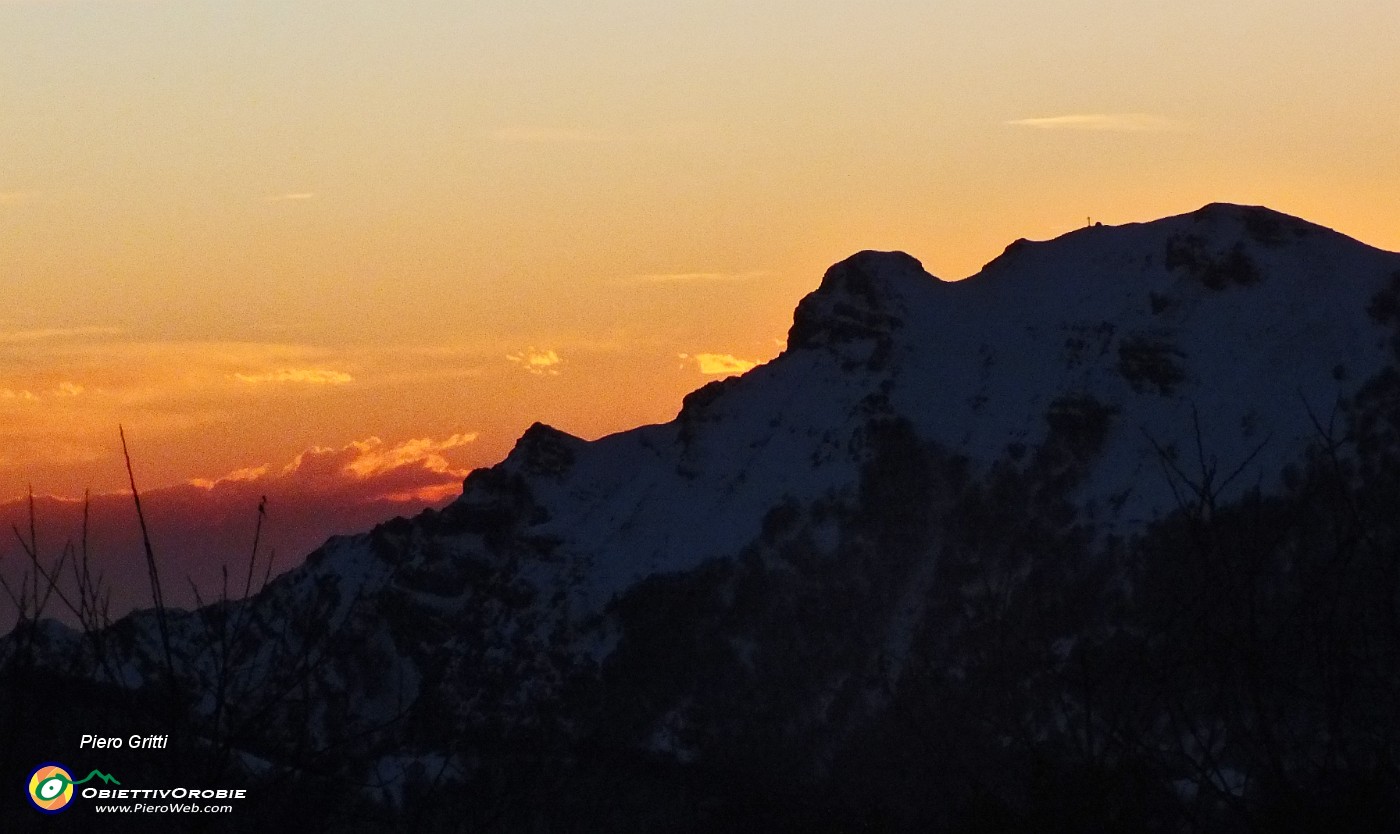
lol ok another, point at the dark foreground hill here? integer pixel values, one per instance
(1102, 538)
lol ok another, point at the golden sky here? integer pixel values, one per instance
(259, 234)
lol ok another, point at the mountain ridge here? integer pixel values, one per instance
(796, 555)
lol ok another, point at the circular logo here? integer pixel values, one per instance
(51, 787)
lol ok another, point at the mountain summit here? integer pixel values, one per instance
(1047, 540)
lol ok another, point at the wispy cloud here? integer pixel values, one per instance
(538, 362)
(41, 334)
(549, 136)
(362, 470)
(701, 277)
(248, 473)
(1106, 122)
(425, 452)
(718, 364)
(293, 196)
(304, 376)
(63, 389)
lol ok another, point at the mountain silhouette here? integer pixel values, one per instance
(1100, 538)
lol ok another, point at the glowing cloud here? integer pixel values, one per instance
(1109, 122)
(304, 376)
(55, 333)
(360, 471)
(538, 362)
(206, 524)
(719, 363)
(250, 473)
(295, 196)
(424, 452)
(64, 389)
(701, 277)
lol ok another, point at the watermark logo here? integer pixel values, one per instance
(51, 786)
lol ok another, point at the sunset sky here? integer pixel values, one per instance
(369, 243)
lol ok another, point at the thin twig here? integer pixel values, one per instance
(153, 573)
(253, 557)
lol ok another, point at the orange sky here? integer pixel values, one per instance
(251, 231)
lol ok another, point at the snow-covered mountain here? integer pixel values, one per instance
(939, 495)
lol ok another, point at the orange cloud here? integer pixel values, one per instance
(305, 376)
(538, 362)
(63, 389)
(719, 363)
(248, 473)
(362, 470)
(701, 277)
(199, 529)
(1111, 122)
(47, 333)
(424, 452)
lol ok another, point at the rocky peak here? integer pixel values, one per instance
(862, 299)
(543, 450)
